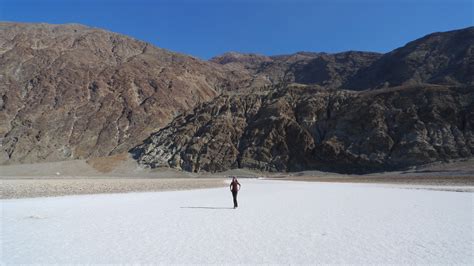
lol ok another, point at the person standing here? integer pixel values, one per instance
(234, 188)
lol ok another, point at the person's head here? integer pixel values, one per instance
(234, 178)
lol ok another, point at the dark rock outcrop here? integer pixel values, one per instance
(298, 128)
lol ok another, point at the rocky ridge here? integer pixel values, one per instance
(72, 92)
(445, 58)
(299, 128)
(328, 70)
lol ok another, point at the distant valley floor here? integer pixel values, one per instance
(120, 174)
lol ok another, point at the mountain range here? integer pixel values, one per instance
(75, 92)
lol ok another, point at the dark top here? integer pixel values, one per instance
(235, 186)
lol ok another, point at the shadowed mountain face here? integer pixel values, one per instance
(69, 91)
(300, 128)
(445, 58)
(439, 58)
(328, 70)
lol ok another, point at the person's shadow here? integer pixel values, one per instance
(209, 208)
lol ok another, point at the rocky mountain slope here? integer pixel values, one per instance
(298, 128)
(440, 58)
(445, 58)
(74, 92)
(399, 119)
(70, 91)
(328, 70)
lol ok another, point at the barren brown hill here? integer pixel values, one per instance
(70, 91)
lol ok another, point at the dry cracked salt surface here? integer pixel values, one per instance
(277, 222)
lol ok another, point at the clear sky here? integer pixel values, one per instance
(205, 28)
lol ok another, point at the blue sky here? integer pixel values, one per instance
(205, 28)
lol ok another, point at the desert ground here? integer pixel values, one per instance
(280, 222)
(76, 212)
(120, 173)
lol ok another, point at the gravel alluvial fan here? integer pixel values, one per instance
(71, 91)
